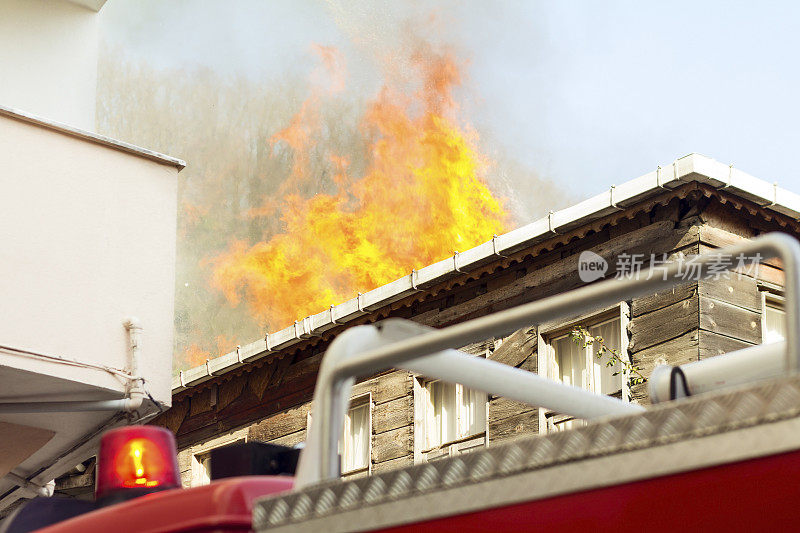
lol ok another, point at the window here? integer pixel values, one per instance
(452, 413)
(574, 364)
(201, 469)
(449, 418)
(201, 456)
(355, 443)
(564, 360)
(773, 318)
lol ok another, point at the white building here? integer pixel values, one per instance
(87, 246)
(48, 58)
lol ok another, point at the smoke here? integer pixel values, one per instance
(381, 32)
(233, 125)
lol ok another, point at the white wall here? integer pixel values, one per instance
(48, 59)
(87, 239)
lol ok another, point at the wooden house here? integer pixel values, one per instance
(694, 205)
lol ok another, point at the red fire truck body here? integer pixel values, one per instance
(759, 494)
(224, 505)
(725, 461)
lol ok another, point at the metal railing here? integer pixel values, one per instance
(365, 350)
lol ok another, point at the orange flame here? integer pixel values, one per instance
(194, 355)
(421, 197)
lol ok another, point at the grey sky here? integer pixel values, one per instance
(586, 93)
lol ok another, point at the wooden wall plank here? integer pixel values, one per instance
(664, 324)
(280, 424)
(386, 387)
(173, 417)
(393, 414)
(304, 367)
(730, 320)
(738, 290)
(512, 427)
(228, 391)
(393, 444)
(713, 344)
(243, 412)
(501, 408)
(292, 439)
(516, 348)
(260, 378)
(659, 300)
(393, 464)
(200, 403)
(712, 237)
(677, 351)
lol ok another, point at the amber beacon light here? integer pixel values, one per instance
(134, 461)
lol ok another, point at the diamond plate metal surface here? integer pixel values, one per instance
(663, 424)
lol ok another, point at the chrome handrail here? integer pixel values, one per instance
(364, 353)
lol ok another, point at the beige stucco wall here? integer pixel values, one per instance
(88, 239)
(48, 59)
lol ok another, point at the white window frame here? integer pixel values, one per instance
(200, 474)
(546, 354)
(356, 401)
(422, 451)
(200, 451)
(770, 297)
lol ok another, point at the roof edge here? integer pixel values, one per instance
(93, 5)
(92, 137)
(684, 170)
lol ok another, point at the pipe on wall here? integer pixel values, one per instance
(31, 488)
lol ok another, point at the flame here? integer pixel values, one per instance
(195, 355)
(299, 134)
(422, 197)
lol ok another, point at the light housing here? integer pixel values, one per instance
(134, 461)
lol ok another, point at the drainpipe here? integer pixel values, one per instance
(136, 390)
(131, 404)
(128, 405)
(31, 488)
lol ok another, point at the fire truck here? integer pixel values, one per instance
(718, 448)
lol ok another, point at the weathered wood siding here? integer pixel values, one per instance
(662, 328)
(693, 321)
(285, 380)
(392, 420)
(283, 388)
(732, 306)
(507, 418)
